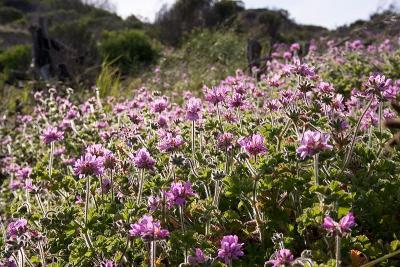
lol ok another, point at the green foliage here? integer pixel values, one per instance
(14, 59)
(108, 81)
(129, 50)
(205, 58)
(9, 14)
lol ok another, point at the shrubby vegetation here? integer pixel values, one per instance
(14, 62)
(293, 169)
(129, 50)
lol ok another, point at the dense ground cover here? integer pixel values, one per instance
(297, 169)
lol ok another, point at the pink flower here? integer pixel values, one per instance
(216, 94)
(29, 186)
(347, 222)
(179, 192)
(295, 47)
(254, 145)
(198, 257)
(159, 105)
(17, 228)
(89, 165)
(230, 249)
(170, 142)
(52, 134)
(108, 263)
(312, 143)
(143, 160)
(148, 229)
(225, 140)
(344, 225)
(193, 108)
(281, 257)
(381, 87)
(153, 202)
(329, 223)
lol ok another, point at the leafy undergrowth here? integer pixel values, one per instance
(291, 170)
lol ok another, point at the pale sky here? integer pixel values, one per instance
(327, 13)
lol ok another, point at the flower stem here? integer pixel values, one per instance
(141, 180)
(353, 140)
(380, 118)
(153, 253)
(316, 168)
(193, 140)
(40, 204)
(182, 217)
(374, 262)
(87, 199)
(101, 188)
(51, 159)
(338, 254)
(256, 211)
(112, 185)
(216, 192)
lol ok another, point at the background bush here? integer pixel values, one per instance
(9, 14)
(129, 49)
(13, 60)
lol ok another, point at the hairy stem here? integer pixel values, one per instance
(141, 181)
(182, 217)
(374, 262)
(153, 253)
(51, 159)
(87, 198)
(353, 139)
(316, 168)
(193, 140)
(338, 254)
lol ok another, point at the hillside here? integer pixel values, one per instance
(193, 42)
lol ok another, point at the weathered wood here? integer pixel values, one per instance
(253, 54)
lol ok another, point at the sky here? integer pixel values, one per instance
(327, 13)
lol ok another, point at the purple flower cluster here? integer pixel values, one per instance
(159, 105)
(95, 160)
(193, 108)
(178, 193)
(381, 87)
(170, 142)
(225, 140)
(197, 258)
(281, 257)
(17, 228)
(148, 229)
(230, 248)
(216, 94)
(52, 134)
(143, 159)
(89, 165)
(254, 145)
(344, 225)
(313, 142)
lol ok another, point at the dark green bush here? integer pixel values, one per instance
(22, 5)
(129, 50)
(13, 61)
(9, 14)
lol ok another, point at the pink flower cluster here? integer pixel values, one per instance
(143, 159)
(178, 193)
(254, 145)
(343, 226)
(52, 134)
(313, 142)
(148, 229)
(281, 257)
(230, 249)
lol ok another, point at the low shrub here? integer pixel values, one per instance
(129, 49)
